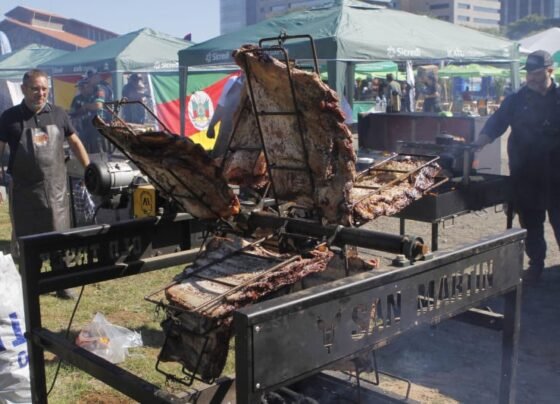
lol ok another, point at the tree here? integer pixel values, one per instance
(528, 25)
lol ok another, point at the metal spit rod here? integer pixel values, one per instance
(412, 247)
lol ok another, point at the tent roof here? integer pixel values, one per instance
(473, 70)
(12, 65)
(548, 40)
(142, 50)
(355, 31)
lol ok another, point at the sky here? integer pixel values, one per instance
(174, 17)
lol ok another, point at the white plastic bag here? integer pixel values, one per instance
(107, 340)
(14, 361)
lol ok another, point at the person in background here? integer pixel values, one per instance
(432, 101)
(533, 114)
(405, 97)
(134, 90)
(100, 92)
(467, 96)
(35, 131)
(375, 88)
(366, 90)
(101, 88)
(79, 114)
(227, 105)
(393, 94)
(77, 107)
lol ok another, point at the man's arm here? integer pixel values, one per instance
(216, 117)
(497, 124)
(78, 149)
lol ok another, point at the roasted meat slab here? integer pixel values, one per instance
(178, 167)
(246, 164)
(230, 274)
(389, 188)
(308, 146)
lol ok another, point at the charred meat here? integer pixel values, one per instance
(178, 167)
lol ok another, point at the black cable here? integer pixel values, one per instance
(93, 221)
(66, 336)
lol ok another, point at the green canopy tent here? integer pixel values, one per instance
(363, 70)
(473, 70)
(348, 32)
(13, 65)
(141, 51)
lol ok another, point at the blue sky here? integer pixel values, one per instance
(173, 17)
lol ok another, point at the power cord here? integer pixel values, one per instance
(66, 336)
(93, 221)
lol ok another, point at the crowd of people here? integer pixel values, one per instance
(389, 94)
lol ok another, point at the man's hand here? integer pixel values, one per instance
(210, 134)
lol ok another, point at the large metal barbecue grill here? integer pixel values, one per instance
(467, 188)
(283, 343)
(301, 333)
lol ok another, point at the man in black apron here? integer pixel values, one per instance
(35, 131)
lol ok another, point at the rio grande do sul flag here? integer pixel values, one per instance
(204, 91)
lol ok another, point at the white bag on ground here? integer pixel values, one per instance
(107, 340)
(14, 361)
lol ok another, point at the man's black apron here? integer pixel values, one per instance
(39, 199)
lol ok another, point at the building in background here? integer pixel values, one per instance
(24, 26)
(513, 10)
(236, 14)
(471, 13)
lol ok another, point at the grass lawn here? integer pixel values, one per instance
(121, 302)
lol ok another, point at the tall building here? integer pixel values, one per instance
(471, 13)
(513, 10)
(236, 14)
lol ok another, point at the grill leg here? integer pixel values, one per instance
(510, 342)
(435, 235)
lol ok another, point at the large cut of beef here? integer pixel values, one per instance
(388, 188)
(245, 165)
(177, 167)
(312, 161)
(308, 147)
(230, 274)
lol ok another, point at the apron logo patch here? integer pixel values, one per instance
(40, 138)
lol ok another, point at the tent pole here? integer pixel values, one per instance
(117, 80)
(350, 83)
(515, 81)
(182, 94)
